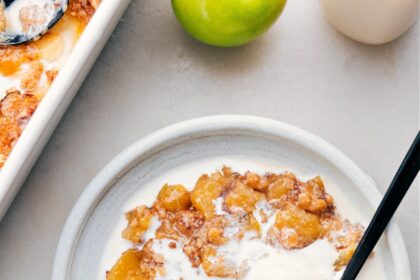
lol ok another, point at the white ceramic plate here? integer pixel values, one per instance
(91, 240)
(57, 99)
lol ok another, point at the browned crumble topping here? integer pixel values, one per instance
(15, 111)
(150, 262)
(139, 220)
(82, 9)
(18, 107)
(51, 75)
(303, 213)
(31, 76)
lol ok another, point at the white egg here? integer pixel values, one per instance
(372, 21)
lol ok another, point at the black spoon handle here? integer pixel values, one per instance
(389, 204)
(7, 3)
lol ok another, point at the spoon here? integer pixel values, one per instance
(8, 38)
(389, 204)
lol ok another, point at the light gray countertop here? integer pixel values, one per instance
(362, 99)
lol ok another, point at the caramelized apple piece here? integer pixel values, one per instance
(205, 191)
(281, 186)
(139, 220)
(127, 267)
(241, 197)
(174, 198)
(252, 180)
(215, 265)
(297, 228)
(312, 196)
(134, 264)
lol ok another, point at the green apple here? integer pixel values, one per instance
(227, 23)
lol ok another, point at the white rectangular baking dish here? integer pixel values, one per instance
(57, 99)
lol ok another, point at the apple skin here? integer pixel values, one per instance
(227, 23)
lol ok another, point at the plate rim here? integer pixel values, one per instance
(125, 160)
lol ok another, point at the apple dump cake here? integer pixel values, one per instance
(27, 71)
(234, 226)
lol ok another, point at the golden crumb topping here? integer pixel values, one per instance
(51, 75)
(15, 111)
(83, 9)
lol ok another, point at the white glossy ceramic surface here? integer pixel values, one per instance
(57, 99)
(371, 21)
(93, 218)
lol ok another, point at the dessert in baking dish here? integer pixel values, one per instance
(238, 226)
(27, 71)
